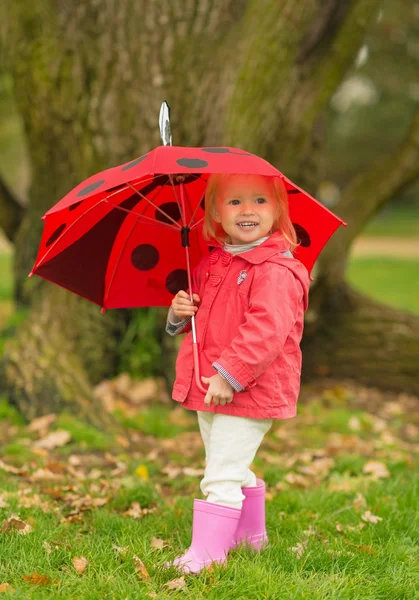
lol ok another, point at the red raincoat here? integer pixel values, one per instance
(253, 329)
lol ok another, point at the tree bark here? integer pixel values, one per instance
(11, 211)
(89, 81)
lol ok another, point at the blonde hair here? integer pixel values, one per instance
(282, 222)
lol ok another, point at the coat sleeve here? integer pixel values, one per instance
(175, 325)
(274, 302)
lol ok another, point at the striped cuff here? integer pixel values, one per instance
(174, 325)
(233, 382)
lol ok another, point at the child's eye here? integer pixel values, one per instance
(262, 200)
(234, 200)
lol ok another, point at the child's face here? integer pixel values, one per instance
(246, 198)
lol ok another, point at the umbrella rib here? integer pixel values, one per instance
(66, 231)
(155, 206)
(197, 223)
(106, 294)
(189, 204)
(141, 216)
(196, 208)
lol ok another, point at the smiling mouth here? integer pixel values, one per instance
(247, 225)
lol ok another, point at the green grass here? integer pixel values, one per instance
(400, 222)
(391, 280)
(376, 561)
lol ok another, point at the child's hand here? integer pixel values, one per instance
(182, 306)
(220, 391)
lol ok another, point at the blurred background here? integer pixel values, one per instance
(328, 95)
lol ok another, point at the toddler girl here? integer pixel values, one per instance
(252, 295)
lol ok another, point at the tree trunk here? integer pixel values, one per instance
(89, 81)
(361, 339)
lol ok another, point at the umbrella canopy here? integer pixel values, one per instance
(118, 239)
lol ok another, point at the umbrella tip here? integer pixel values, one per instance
(30, 274)
(164, 124)
(103, 310)
(43, 218)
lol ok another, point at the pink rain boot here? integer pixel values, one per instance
(213, 528)
(251, 529)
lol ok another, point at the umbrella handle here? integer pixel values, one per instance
(198, 381)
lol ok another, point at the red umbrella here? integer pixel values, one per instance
(130, 235)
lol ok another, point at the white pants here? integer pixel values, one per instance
(230, 447)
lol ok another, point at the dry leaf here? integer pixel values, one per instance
(190, 472)
(14, 523)
(37, 579)
(377, 469)
(6, 587)
(47, 547)
(339, 527)
(41, 423)
(370, 518)
(141, 570)
(297, 480)
(80, 563)
(299, 548)
(53, 440)
(122, 550)
(158, 544)
(135, 511)
(359, 501)
(176, 584)
(11, 469)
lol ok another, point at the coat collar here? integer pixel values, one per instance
(275, 244)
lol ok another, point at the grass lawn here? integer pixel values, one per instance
(393, 281)
(403, 222)
(336, 530)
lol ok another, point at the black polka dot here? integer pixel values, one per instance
(134, 163)
(177, 280)
(293, 192)
(145, 257)
(90, 188)
(170, 208)
(192, 163)
(56, 234)
(216, 150)
(75, 205)
(302, 235)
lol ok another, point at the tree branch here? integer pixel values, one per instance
(11, 211)
(364, 196)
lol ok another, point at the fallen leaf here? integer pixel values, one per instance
(142, 472)
(191, 472)
(176, 584)
(158, 544)
(359, 501)
(15, 523)
(47, 547)
(37, 579)
(297, 480)
(375, 468)
(370, 518)
(41, 423)
(53, 440)
(339, 527)
(11, 469)
(141, 570)
(299, 548)
(6, 587)
(80, 563)
(122, 550)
